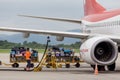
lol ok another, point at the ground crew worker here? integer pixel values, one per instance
(28, 58)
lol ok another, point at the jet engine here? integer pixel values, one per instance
(59, 38)
(26, 35)
(99, 50)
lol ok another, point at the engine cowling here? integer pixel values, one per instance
(26, 35)
(99, 50)
(59, 38)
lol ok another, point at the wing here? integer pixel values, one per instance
(55, 19)
(46, 32)
(60, 33)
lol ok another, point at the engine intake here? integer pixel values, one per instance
(100, 50)
(103, 51)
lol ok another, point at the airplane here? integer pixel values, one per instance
(100, 34)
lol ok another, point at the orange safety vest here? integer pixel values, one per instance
(27, 55)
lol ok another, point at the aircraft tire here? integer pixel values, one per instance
(111, 67)
(100, 68)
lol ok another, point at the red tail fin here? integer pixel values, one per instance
(92, 7)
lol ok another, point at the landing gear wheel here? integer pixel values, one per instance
(111, 67)
(67, 65)
(77, 65)
(100, 68)
(93, 66)
(15, 65)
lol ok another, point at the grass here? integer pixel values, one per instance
(8, 50)
(5, 50)
(39, 50)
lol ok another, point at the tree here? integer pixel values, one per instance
(4, 44)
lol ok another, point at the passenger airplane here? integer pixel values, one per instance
(100, 36)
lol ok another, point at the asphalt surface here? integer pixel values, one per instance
(85, 72)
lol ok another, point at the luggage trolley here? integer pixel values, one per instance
(17, 55)
(65, 56)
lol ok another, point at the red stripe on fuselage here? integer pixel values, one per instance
(102, 16)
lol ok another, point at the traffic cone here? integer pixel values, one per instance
(96, 70)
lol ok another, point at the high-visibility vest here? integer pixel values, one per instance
(27, 55)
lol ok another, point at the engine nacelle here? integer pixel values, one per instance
(59, 38)
(26, 35)
(99, 50)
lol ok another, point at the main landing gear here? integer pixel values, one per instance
(111, 67)
(102, 68)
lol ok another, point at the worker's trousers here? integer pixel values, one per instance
(28, 63)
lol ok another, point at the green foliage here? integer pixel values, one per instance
(5, 50)
(4, 44)
(33, 44)
(8, 45)
(39, 50)
(72, 46)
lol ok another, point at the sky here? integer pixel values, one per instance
(71, 9)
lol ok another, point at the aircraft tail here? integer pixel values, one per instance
(92, 7)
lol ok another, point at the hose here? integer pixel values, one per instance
(48, 40)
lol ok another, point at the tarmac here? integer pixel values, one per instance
(85, 72)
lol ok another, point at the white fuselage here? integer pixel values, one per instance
(109, 26)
